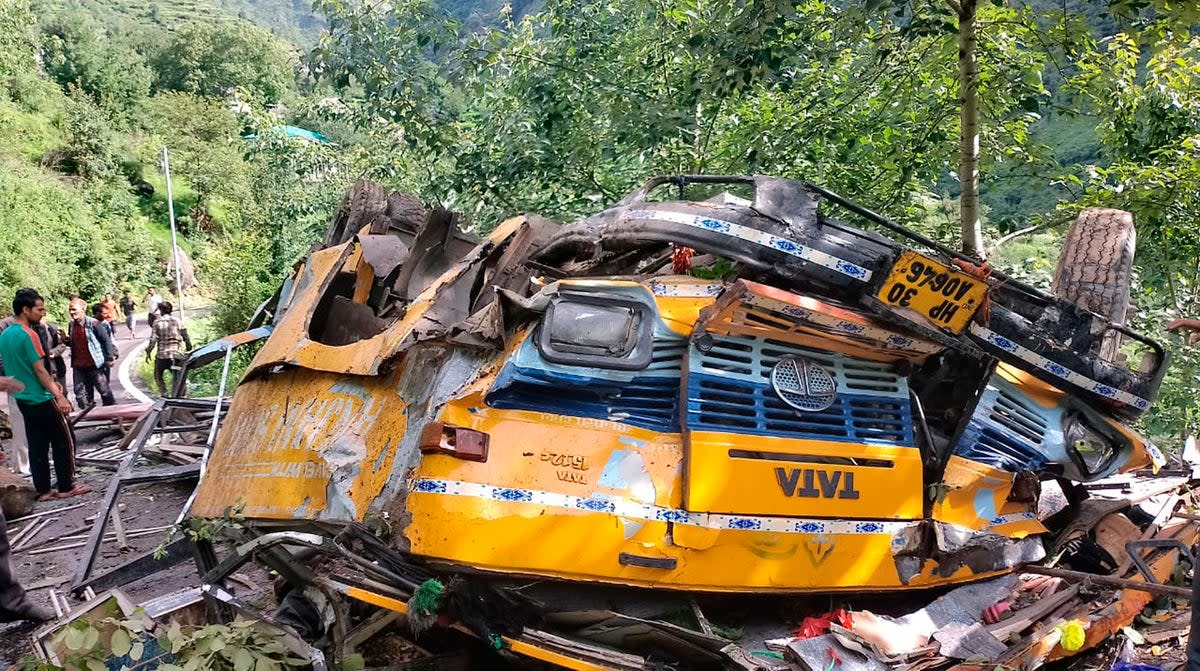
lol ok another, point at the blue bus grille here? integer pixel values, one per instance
(648, 399)
(1007, 431)
(729, 390)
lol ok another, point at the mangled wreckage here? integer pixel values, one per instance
(712, 387)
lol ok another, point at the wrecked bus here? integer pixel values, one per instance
(713, 386)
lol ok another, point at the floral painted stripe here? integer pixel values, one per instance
(622, 507)
(1009, 519)
(886, 338)
(755, 236)
(1058, 370)
(685, 289)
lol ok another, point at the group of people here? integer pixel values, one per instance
(89, 343)
(33, 373)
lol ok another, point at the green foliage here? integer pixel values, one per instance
(241, 645)
(241, 272)
(1144, 88)
(63, 241)
(205, 529)
(213, 60)
(18, 40)
(90, 150)
(103, 64)
(207, 151)
(565, 110)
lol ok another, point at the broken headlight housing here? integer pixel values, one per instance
(604, 332)
(1092, 449)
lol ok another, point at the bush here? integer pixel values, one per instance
(240, 269)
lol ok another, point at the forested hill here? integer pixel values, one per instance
(291, 20)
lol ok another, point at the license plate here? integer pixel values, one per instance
(946, 297)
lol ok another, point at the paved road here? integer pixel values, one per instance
(123, 385)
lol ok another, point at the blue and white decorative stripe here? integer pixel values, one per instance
(1009, 519)
(755, 236)
(685, 289)
(1058, 370)
(622, 507)
(887, 338)
(1156, 456)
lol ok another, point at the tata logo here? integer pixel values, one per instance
(816, 483)
(803, 384)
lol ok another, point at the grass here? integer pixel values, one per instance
(27, 134)
(155, 208)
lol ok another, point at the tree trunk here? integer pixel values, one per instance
(968, 105)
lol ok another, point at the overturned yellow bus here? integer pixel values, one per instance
(713, 386)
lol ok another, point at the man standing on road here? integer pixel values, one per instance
(127, 308)
(14, 604)
(42, 403)
(170, 339)
(19, 445)
(153, 300)
(91, 351)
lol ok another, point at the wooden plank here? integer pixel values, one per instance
(1025, 617)
(119, 529)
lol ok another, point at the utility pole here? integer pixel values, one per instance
(166, 168)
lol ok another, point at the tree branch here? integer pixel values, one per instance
(1054, 223)
(954, 6)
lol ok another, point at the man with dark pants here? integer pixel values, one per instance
(127, 308)
(91, 352)
(42, 403)
(170, 339)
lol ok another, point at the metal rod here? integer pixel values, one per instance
(212, 432)
(1152, 588)
(166, 166)
(917, 237)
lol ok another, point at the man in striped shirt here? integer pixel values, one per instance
(43, 405)
(169, 336)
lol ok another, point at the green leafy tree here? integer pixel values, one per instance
(207, 151)
(212, 60)
(18, 39)
(78, 52)
(567, 109)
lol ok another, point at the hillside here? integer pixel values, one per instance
(291, 20)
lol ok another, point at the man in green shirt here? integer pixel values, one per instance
(42, 402)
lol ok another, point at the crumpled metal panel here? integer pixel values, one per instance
(305, 444)
(291, 343)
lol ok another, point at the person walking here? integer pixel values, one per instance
(43, 404)
(108, 308)
(153, 300)
(127, 309)
(115, 352)
(91, 351)
(170, 338)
